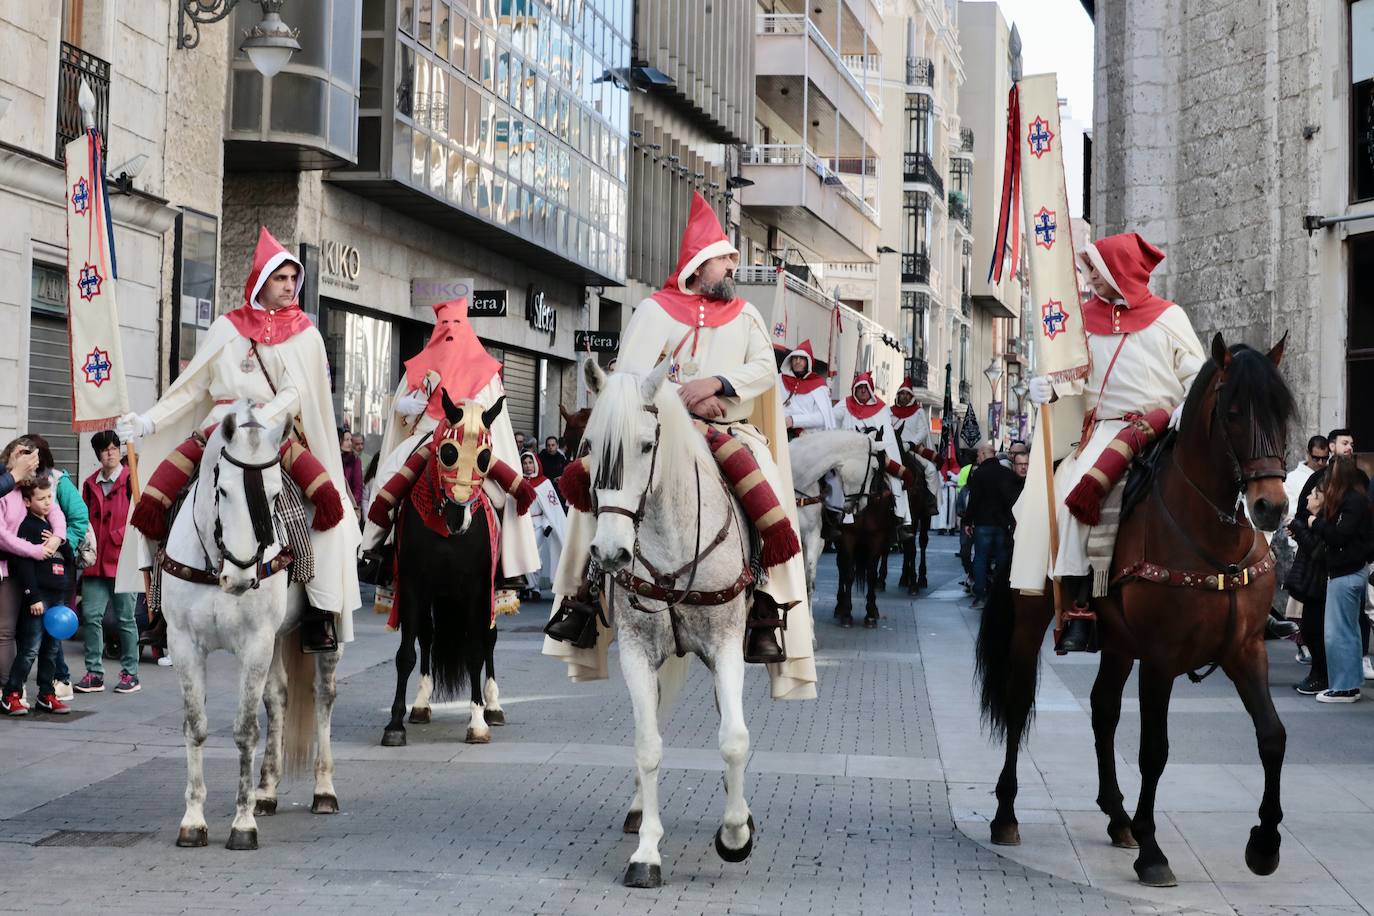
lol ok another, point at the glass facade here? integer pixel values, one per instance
(197, 242)
(507, 111)
(363, 366)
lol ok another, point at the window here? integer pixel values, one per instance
(1362, 99)
(50, 366)
(963, 354)
(919, 124)
(197, 246)
(1359, 353)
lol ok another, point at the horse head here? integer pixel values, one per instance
(1238, 410)
(462, 452)
(574, 425)
(640, 441)
(246, 473)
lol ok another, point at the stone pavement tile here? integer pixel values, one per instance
(1273, 892)
(862, 766)
(1355, 778)
(1313, 788)
(596, 755)
(1046, 847)
(695, 758)
(1218, 840)
(1104, 863)
(1188, 896)
(798, 763)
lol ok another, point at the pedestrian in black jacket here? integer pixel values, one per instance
(993, 489)
(1341, 520)
(43, 583)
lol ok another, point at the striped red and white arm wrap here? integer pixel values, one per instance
(513, 483)
(755, 494)
(398, 487)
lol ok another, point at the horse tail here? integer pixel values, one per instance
(448, 650)
(671, 678)
(993, 662)
(298, 735)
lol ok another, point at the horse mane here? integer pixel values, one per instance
(255, 493)
(1253, 385)
(615, 421)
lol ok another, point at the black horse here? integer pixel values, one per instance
(861, 546)
(444, 586)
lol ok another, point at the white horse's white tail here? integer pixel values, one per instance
(299, 732)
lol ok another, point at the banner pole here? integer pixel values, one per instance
(1047, 449)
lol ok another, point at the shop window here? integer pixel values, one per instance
(196, 241)
(1362, 99)
(50, 366)
(1359, 352)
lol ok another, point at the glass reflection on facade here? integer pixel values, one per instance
(506, 110)
(362, 346)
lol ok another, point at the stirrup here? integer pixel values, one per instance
(759, 628)
(1078, 632)
(318, 632)
(574, 622)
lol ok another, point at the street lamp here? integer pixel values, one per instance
(1020, 389)
(993, 373)
(269, 44)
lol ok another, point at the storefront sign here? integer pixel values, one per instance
(540, 315)
(340, 265)
(596, 341)
(487, 303)
(425, 293)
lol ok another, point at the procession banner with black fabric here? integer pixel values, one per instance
(1033, 181)
(99, 393)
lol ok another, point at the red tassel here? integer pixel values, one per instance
(1085, 502)
(780, 544)
(576, 486)
(524, 496)
(150, 518)
(328, 507)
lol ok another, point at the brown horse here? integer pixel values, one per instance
(1230, 443)
(860, 546)
(574, 425)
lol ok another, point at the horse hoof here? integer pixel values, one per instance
(394, 737)
(1258, 859)
(734, 855)
(641, 875)
(1122, 838)
(494, 716)
(632, 822)
(420, 715)
(324, 804)
(191, 837)
(475, 737)
(846, 622)
(264, 807)
(1006, 834)
(242, 840)
(870, 623)
(1156, 875)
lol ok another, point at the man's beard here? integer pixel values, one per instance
(722, 290)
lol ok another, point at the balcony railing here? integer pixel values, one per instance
(920, 167)
(959, 210)
(760, 274)
(870, 64)
(966, 304)
(796, 154)
(855, 165)
(920, 71)
(915, 267)
(73, 66)
(966, 140)
(919, 370)
(801, 24)
(850, 270)
(965, 391)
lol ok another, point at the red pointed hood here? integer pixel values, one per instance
(702, 240)
(898, 411)
(1126, 262)
(875, 403)
(258, 324)
(454, 352)
(806, 382)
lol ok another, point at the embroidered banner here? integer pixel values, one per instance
(99, 395)
(1061, 344)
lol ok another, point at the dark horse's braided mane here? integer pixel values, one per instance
(1253, 387)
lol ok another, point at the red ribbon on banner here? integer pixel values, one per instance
(1009, 209)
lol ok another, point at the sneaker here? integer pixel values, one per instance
(1310, 686)
(127, 683)
(164, 661)
(63, 689)
(50, 702)
(91, 683)
(1303, 657)
(1339, 696)
(12, 704)
(1368, 668)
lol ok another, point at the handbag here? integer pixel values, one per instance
(85, 551)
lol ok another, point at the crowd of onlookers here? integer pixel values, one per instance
(59, 548)
(985, 491)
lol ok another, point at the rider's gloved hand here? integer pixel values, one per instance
(1176, 417)
(133, 426)
(412, 404)
(1039, 390)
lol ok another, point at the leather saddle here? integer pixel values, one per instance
(1140, 477)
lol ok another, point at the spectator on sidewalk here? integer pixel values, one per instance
(552, 461)
(1020, 463)
(352, 469)
(68, 498)
(992, 489)
(20, 463)
(1341, 521)
(42, 583)
(107, 494)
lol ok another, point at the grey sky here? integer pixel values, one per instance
(1057, 35)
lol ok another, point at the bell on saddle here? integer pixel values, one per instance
(763, 631)
(575, 620)
(1079, 622)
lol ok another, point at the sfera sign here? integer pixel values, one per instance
(487, 303)
(596, 341)
(539, 314)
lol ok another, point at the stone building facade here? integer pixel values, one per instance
(1219, 125)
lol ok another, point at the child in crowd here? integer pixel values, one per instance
(43, 584)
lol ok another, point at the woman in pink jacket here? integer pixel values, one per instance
(20, 459)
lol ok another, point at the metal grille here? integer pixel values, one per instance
(73, 66)
(520, 376)
(92, 838)
(50, 389)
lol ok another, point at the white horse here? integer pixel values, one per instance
(815, 454)
(660, 500)
(235, 597)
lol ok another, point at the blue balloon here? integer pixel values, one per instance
(60, 621)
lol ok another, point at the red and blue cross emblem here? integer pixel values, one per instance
(1046, 225)
(89, 282)
(81, 197)
(97, 367)
(1053, 318)
(1040, 136)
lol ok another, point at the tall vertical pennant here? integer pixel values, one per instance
(99, 393)
(777, 331)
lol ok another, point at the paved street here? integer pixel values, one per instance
(873, 799)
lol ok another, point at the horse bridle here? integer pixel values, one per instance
(252, 478)
(851, 500)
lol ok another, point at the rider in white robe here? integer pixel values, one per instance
(548, 519)
(863, 411)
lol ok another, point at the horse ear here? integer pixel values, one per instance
(648, 389)
(1276, 354)
(227, 426)
(452, 412)
(563, 412)
(491, 413)
(1219, 351)
(879, 437)
(596, 379)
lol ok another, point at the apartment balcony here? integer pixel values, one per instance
(920, 73)
(919, 371)
(795, 189)
(809, 308)
(915, 267)
(965, 392)
(73, 67)
(919, 168)
(851, 270)
(959, 211)
(802, 77)
(966, 304)
(966, 140)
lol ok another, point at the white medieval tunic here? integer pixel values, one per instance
(1155, 369)
(519, 552)
(876, 426)
(914, 432)
(740, 351)
(550, 524)
(809, 410)
(225, 371)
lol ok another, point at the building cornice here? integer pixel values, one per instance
(43, 180)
